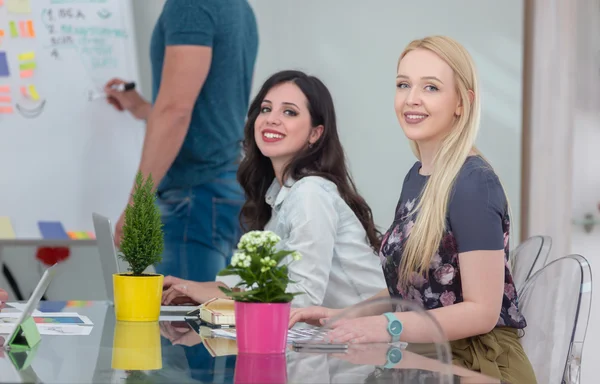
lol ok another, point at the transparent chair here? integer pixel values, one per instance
(529, 257)
(389, 362)
(556, 302)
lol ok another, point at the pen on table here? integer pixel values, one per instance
(123, 87)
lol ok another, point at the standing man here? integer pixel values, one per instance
(202, 54)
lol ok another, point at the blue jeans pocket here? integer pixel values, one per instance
(175, 203)
(226, 228)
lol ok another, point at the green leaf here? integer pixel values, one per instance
(228, 272)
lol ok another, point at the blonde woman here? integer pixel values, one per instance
(447, 248)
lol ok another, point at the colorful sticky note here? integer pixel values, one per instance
(27, 65)
(5, 99)
(22, 29)
(6, 229)
(52, 230)
(6, 110)
(4, 65)
(27, 56)
(4, 89)
(30, 30)
(33, 93)
(13, 29)
(23, 91)
(1, 32)
(18, 6)
(26, 74)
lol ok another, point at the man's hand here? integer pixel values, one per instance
(130, 101)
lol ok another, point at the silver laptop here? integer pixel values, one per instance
(107, 250)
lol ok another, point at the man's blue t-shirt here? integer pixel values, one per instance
(212, 144)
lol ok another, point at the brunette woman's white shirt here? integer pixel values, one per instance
(338, 268)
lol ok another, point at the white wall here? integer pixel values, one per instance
(353, 46)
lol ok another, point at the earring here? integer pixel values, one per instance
(310, 145)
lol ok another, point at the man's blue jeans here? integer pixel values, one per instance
(201, 227)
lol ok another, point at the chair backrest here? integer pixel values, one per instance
(556, 303)
(529, 257)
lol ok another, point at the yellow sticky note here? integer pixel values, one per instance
(6, 229)
(27, 56)
(33, 93)
(18, 6)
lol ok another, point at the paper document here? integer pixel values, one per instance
(302, 334)
(58, 323)
(20, 307)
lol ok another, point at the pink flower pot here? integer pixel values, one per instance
(261, 328)
(263, 369)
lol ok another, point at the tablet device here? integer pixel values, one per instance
(33, 301)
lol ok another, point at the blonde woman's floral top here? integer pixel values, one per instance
(477, 219)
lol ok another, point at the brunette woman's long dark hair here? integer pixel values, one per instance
(325, 158)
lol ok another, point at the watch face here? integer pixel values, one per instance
(396, 327)
(395, 355)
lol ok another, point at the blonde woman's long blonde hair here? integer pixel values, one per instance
(429, 227)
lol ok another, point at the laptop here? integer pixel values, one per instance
(34, 300)
(110, 264)
(108, 252)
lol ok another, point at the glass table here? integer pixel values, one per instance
(173, 351)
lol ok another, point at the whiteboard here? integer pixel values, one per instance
(63, 156)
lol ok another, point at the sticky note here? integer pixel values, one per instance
(24, 91)
(27, 56)
(18, 6)
(4, 89)
(52, 230)
(30, 30)
(6, 228)
(33, 93)
(4, 65)
(6, 110)
(5, 99)
(22, 29)
(27, 65)
(26, 74)
(1, 32)
(13, 29)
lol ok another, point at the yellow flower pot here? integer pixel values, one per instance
(136, 346)
(137, 298)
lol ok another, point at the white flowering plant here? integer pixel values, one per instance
(263, 269)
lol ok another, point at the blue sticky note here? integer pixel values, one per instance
(52, 230)
(4, 65)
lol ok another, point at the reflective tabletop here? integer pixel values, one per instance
(173, 351)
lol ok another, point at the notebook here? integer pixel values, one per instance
(217, 312)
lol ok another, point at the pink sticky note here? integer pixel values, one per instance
(5, 99)
(4, 89)
(24, 91)
(26, 73)
(6, 110)
(23, 29)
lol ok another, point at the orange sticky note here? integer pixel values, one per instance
(6, 109)
(30, 28)
(26, 73)
(4, 89)
(1, 32)
(5, 99)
